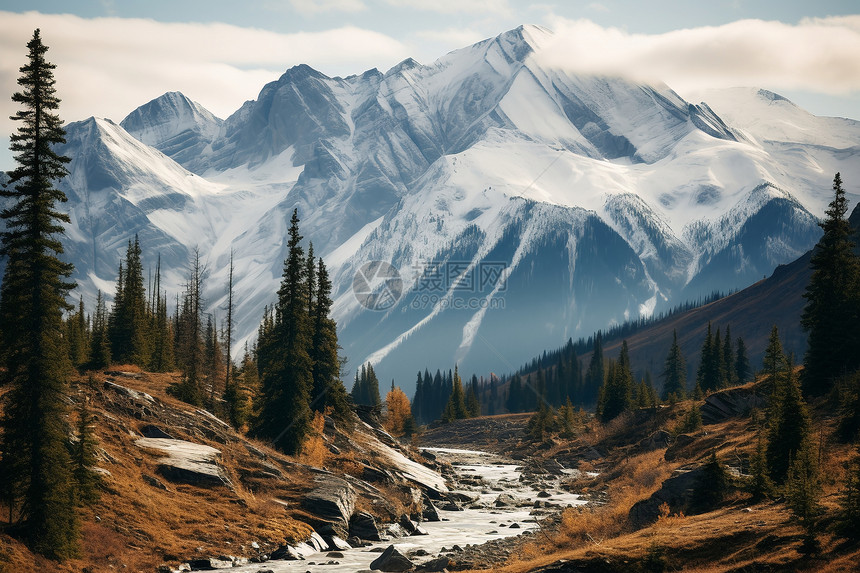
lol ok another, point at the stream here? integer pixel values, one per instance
(478, 474)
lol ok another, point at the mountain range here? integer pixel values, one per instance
(514, 205)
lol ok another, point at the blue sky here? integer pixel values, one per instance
(113, 56)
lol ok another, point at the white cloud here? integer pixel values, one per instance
(109, 66)
(452, 38)
(319, 6)
(493, 7)
(820, 55)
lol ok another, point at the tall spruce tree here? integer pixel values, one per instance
(129, 322)
(327, 390)
(189, 337)
(35, 464)
(832, 301)
(674, 371)
(287, 377)
(595, 373)
(99, 343)
(455, 409)
(616, 396)
(790, 426)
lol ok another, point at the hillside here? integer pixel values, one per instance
(628, 468)
(179, 485)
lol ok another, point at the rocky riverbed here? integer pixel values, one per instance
(491, 500)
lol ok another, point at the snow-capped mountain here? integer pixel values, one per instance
(519, 205)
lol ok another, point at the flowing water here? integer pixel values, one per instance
(470, 526)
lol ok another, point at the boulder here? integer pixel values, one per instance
(335, 543)
(730, 403)
(435, 565)
(505, 500)
(363, 526)
(187, 462)
(407, 524)
(429, 512)
(658, 440)
(333, 500)
(677, 492)
(150, 431)
(391, 560)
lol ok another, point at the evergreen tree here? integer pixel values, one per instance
(760, 484)
(213, 361)
(514, 401)
(712, 485)
(418, 399)
(616, 394)
(99, 344)
(287, 378)
(773, 363)
(35, 463)
(802, 492)
(832, 301)
(674, 371)
(595, 373)
(232, 396)
(328, 391)
(708, 376)
(728, 361)
(129, 321)
(84, 455)
(790, 426)
(189, 337)
(848, 520)
(455, 409)
(76, 334)
(162, 359)
(473, 404)
(742, 363)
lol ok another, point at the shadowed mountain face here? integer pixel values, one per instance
(751, 313)
(520, 204)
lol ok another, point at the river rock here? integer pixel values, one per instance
(435, 565)
(335, 543)
(407, 524)
(363, 526)
(429, 512)
(391, 560)
(505, 500)
(209, 564)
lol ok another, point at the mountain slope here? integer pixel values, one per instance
(585, 200)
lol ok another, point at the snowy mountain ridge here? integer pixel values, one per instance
(603, 199)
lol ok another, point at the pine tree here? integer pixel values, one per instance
(742, 363)
(473, 403)
(712, 485)
(418, 399)
(99, 344)
(162, 359)
(728, 361)
(802, 492)
(790, 426)
(213, 362)
(848, 520)
(76, 334)
(832, 301)
(328, 392)
(760, 484)
(711, 373)
(674, 371)
(773, 363)
(232, 396)
(455, 409)
(287, 375)
(189, 337)
(84, 455)
(616, 394)
(129, 321)
(35, 462)
(595, 373)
